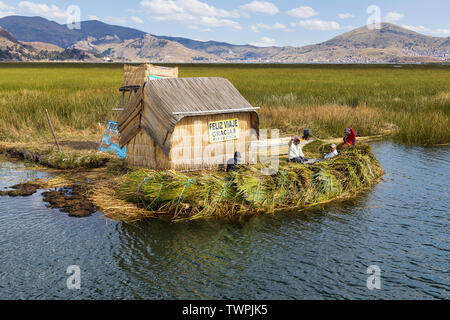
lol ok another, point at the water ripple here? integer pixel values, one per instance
(323, 253)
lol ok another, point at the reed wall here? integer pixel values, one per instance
(191, 148)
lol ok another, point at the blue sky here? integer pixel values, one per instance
(261, 23)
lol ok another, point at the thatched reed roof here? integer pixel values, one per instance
(160, 104)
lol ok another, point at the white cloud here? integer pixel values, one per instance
(6, 10)
(255, 27)
(197, 28)
(116, 20)
(261, 7)
(4, 6)
(185, 8)
(43, 10)
(445, 32)
(6, 13)
(316, 24)
(303, 12)
(191, 12)
(393, 17)
(264, 42)
(417, 28)
(93, 18)
(345, 16)
(422, 29)
(258, 26)
(214, 22)
(137, 19)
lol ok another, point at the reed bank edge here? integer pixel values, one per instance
(231, 310)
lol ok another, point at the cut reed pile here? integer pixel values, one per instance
(248, 191)
(56, 160)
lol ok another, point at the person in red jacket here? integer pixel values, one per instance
(349, 139)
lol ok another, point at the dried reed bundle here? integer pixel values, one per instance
(206, 194)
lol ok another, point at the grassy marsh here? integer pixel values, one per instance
(412, 102)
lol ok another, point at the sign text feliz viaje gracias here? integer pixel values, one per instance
(223, 130)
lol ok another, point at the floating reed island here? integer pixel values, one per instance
(172, 125)
(130, 194)
(247, 190)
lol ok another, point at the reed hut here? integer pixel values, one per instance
(187, 124)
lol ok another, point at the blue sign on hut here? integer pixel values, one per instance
(187, 124)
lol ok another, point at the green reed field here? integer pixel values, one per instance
(411, 102)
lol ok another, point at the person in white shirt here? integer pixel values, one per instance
(295, 152)
(333, 152)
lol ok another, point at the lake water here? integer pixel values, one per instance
(402, 225)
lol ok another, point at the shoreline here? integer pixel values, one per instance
(103, 182)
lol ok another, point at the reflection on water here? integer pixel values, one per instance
(402, 226)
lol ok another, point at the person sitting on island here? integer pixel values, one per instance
(233, 163)
(333, 152)
(291, 142)
(349, 139)
(296, 153)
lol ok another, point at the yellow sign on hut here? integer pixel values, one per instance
(223, 130)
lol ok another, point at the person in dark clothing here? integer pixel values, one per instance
(233, 163)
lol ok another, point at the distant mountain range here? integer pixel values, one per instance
(38, 39)
(12, 49)
(30, 29)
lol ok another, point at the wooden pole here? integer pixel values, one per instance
(121, 99)
(53, 131)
